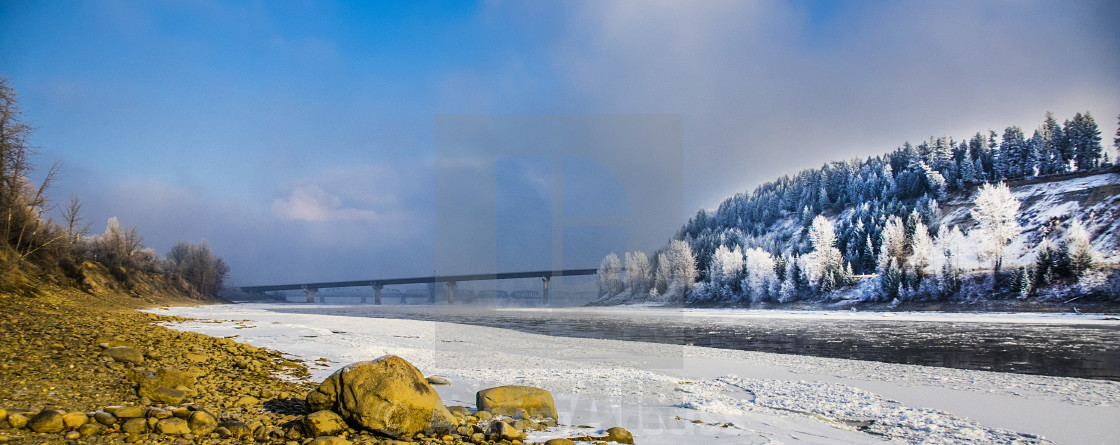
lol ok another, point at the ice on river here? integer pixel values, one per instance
(667, 394)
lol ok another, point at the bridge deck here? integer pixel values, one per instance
(420, 280)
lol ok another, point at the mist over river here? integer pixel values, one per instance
(1086, 346)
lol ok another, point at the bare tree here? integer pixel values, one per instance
(73, 220)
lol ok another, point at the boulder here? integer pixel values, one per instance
(620, 435)
(234, 428)
(387, 395)
(323, 423)
(168, 386)
(124, 354)
(559, 442)
(512, 399)
(47, 421)
(135, 426)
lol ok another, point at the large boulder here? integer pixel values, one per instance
(512, 399)
(387, 395)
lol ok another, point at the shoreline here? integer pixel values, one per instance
(638, 385)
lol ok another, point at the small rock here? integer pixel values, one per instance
(124, 354)
(75, 419)
(18, 420)
(435, 380)
(235, 428)
(104, 418)
(72, 435)
(247, 401)
(129, 412)
(483, 415)
(196, 358)
(135, 426)
(158, 413)
(620, 435)
(3, 415)
(330, 440)
(223, 432)
(559, 442)
(323, 423)
(202, 423)
(47, 421)
(459, 410)
(503, 430)
(173, 426)
(90, 429)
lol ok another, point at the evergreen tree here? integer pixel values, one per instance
(1116, 141)
(1055, 150)
(1014, 154)
(1079, 250)
(1084, 140)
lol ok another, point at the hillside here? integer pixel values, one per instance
(987, 219)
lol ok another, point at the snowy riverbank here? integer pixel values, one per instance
(657, 391)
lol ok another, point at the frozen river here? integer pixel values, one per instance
(1086, 346)
(667, 393)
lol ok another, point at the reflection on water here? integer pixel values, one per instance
(1085, 351)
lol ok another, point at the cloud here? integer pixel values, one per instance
(311, 203)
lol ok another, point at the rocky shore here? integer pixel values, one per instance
(88, 368)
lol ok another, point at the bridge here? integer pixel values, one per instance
(310, 289)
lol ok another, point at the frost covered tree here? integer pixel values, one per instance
(921, 252)
(682, 269)
(725, 270)
(762, 277)
(1079, 249)
(950, 244)
(197, 265)
(638, 272)
(1084, 140)
(995, 212)
(825, 262)
(892, 244)
(610, 276)
(662, 275)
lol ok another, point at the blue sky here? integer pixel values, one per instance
(302, 141)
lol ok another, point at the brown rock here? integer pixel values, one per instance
(104, 418)
(235, 428)
(90, 429)
(18, 420)
(173, 426)
(559, 442)
(202, 423)
(502, 430)
(135, 426)
(247, 401)
(124, 354)
(129, 412)
(459, 410)
(330, 440)
(620, 435)
(323, 423)
(512, 399)
(73, 420)
(387, 395)
(47, 421)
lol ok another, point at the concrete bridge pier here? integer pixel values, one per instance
(310, 291)
(376, 293)
(451, 292)
(544, 292)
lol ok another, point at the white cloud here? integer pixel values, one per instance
(311, 203)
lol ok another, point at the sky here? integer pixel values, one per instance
(316, 141)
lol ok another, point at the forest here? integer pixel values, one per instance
(873, 230)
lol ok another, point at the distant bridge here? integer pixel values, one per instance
(450, 280)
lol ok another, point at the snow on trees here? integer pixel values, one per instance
(724, 271)
(950, 245)
(610, 276)
(825, 264)
(762, 278)
(682, 269)
(921, 252)
(662, 276)
(637, 273)
(1080, 251)
(995, 211)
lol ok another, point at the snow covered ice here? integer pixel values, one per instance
(667, 394)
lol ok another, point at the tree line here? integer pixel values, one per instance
(31, 238)
(885, 221)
